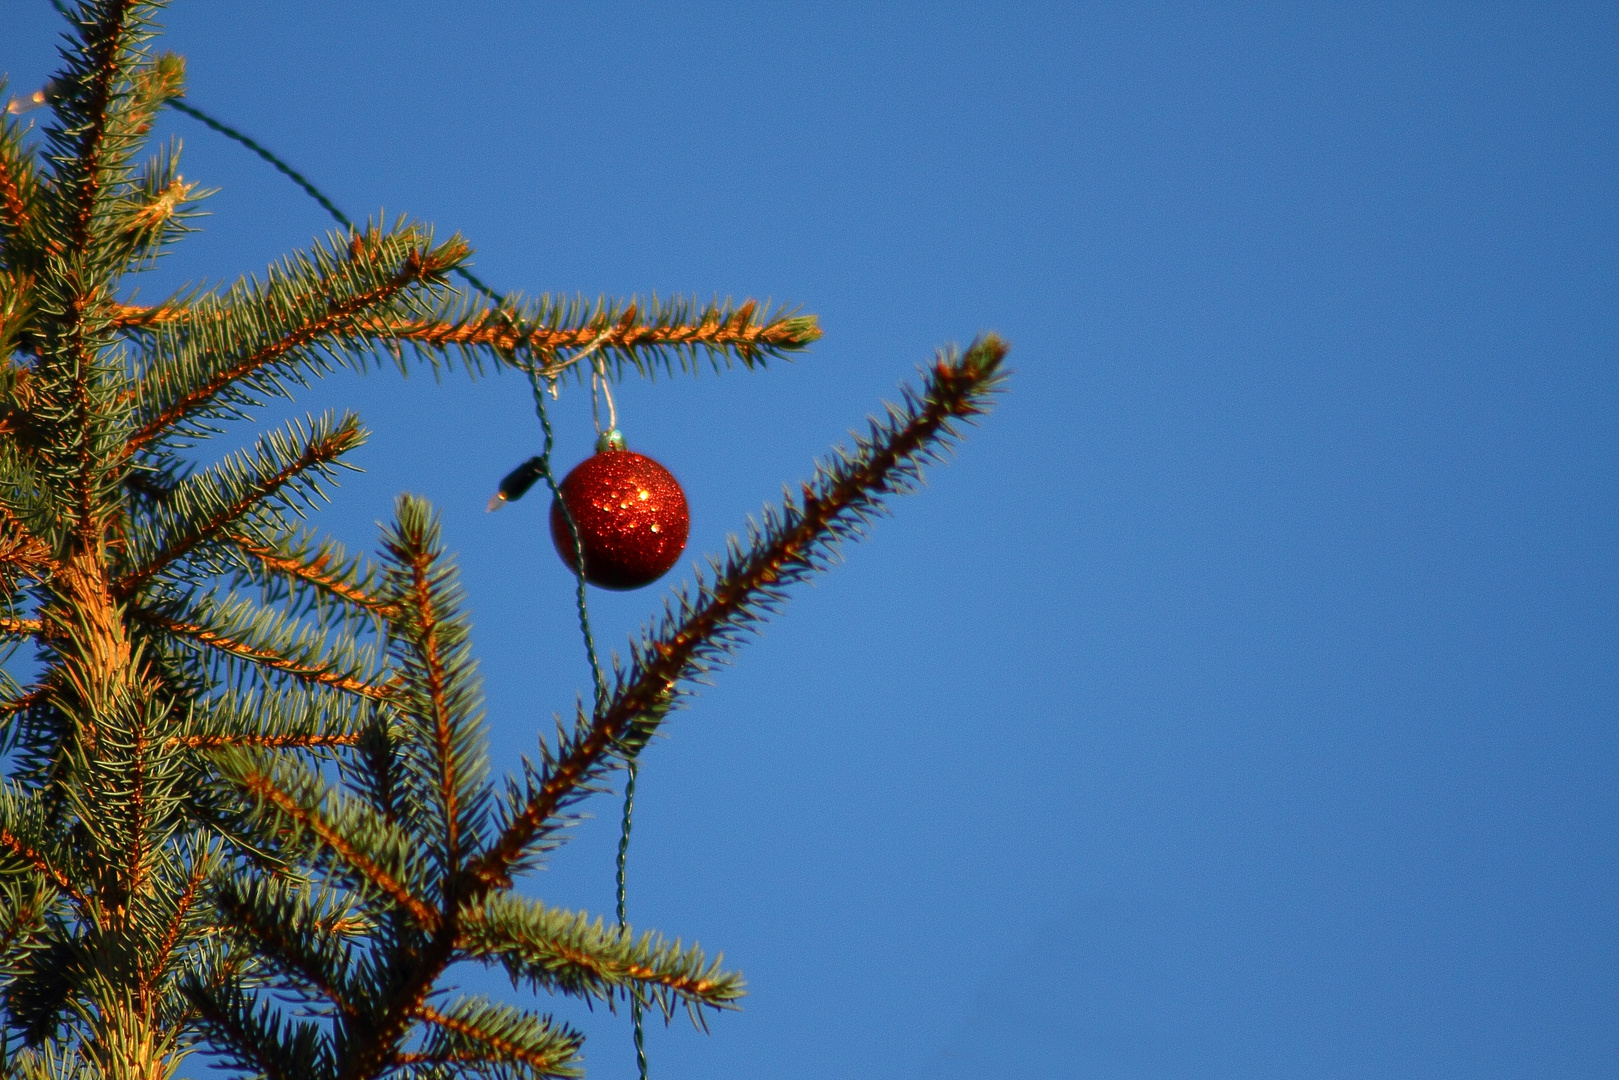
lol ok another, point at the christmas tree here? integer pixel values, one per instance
(248, 806)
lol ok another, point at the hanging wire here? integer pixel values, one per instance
(550, 478)
(309, 189)
(281, 166)
(623, 921)
(630, 766)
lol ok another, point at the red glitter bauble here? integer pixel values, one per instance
(631, 515)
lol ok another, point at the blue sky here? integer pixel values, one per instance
(1241, 701)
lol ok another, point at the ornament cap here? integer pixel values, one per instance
(612, 439)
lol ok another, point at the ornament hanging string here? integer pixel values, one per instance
(538, 383)
(600, 388)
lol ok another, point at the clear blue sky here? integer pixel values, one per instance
(1241, 701)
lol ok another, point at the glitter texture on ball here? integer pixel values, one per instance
(632, 519)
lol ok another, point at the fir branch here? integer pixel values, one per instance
(244, 773)
(681, 326)
(311, 302)
(790, 545)
(292, 929)
(161, 204)
(373, 1053)
(41, 990)
(302, 718)
(325, 569)
(475, 1031)
(312, 741)
(437, 692)
(81, 405)
(24, 907)
(141, 316)
(567, 952)
(122, 1039)
(206, 504)
(153, 210)
(17, 180)
(21, 837)
(17, 318)
(11, 842)
(89, 96)
(98, 100)
(254, 1038)
(13, 201)
(202, 865)
(136, 804)
(550, 328)
(426, 626)
(22, 550)
(441, 755)
(27, 701)
(312, 668)
(20, 627)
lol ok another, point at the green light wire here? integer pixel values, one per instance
(573, 532)
(623, 923)
(535, 382)
(281, 166)
(303, 181)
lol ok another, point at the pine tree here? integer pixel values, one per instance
(247, 804)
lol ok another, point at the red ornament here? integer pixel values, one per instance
(631, 515)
